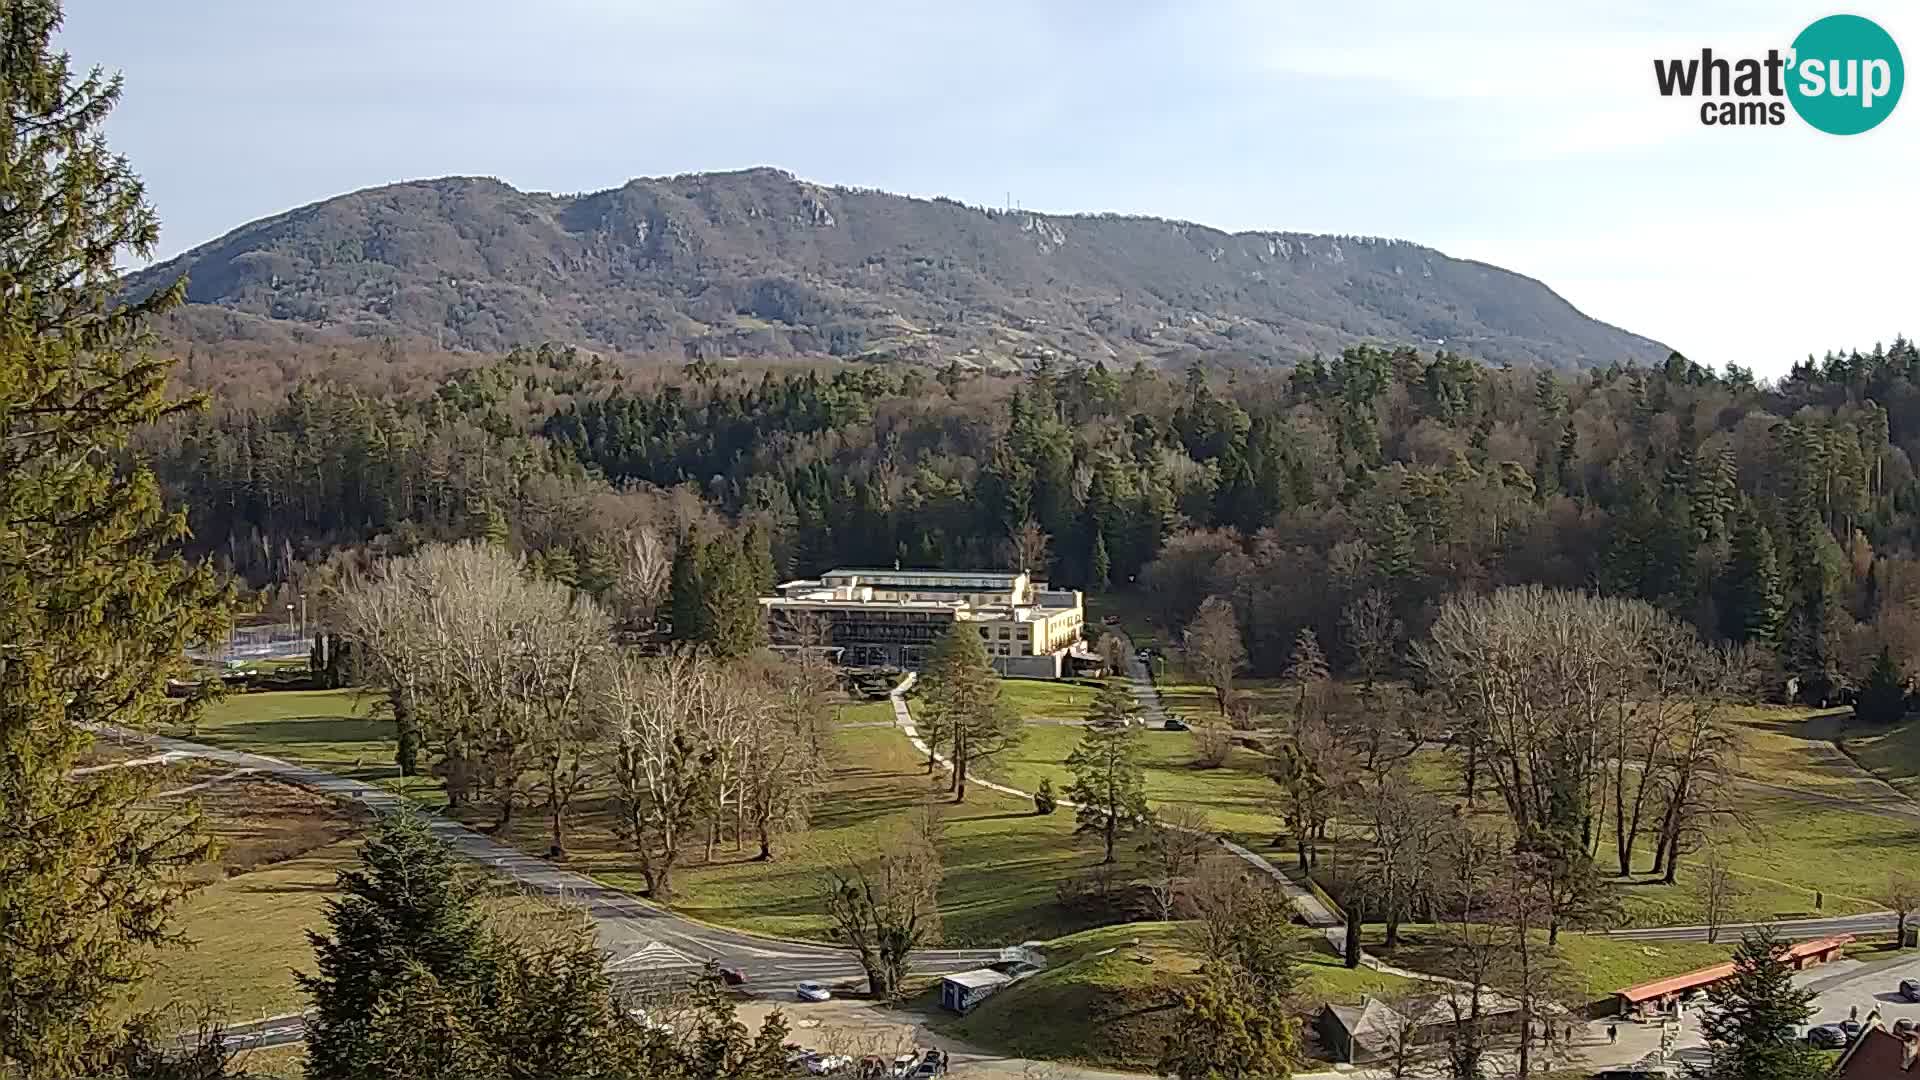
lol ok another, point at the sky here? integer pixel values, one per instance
(1525, 134)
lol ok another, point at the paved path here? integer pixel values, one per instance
(1794, 929)
(640, 940)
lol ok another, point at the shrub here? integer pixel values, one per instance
(1044, 801)
(1211, 745)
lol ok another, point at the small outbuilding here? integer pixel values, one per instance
(1374, 1031)
(961, 992)
(1359, 1034)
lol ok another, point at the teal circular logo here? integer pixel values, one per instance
(1846, 75)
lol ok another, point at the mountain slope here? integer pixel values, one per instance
(757, 262)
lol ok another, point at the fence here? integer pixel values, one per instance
(256, 643)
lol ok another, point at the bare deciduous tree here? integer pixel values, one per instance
(885, 904)
(1405, 827)
(652, 708)
(640, 586)
(1474, 944)
(1536, 676)
(1372, 634)
(1174, 844)
(562, 642)
(1214, 649)
(1902, 897)
(487, 667)
(1719, 890)
(1245, 926)
(1308, 668)
(383, 615)
(1212, 745)
(1030, 545)
(785, 755)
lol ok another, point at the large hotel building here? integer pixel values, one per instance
(891, 618)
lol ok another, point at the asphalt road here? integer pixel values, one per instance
(642, 942)
(1797, 929)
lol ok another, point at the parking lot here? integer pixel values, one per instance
(1846, 988)
(1866, 986)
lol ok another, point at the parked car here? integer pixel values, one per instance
(812, 991)
(1904, 1027)
(1910, 989)
(1827, 1037)
(1850, 1028)
(1111, 620)
(903, 1066)
(826, 1064)
(1174, 723)
(733, 976)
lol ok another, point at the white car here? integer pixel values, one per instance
(904, 1065)
(827, 1064)
(812, 991)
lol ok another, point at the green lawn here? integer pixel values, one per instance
(1235, 797)
(1795, 848)
(864, 712)
(1774, 852)
(1596, 965)
(1774, 849)
(1002, 862)
(1795, 745)
(1603, 965)
(341, 731)
(1892, 752)
(279, 1062)
(247, 935)
(1274, 700)
(324, 728)
(1040, 699)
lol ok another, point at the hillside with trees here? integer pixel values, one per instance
(1779, 515)
(758, 263)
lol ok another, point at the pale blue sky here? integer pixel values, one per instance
(1524, 134)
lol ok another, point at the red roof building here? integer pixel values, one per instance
(1879, 1055)
(1657, 995)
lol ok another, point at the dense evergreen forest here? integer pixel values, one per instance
(1780, 514)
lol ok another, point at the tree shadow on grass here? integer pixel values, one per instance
(286, 888)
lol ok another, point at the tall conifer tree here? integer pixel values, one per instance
(95, 612)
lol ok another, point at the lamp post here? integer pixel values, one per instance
(303, 616)
(289, 620)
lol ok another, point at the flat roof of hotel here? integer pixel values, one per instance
(997, 575)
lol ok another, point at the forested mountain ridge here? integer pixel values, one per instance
(758, 263)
